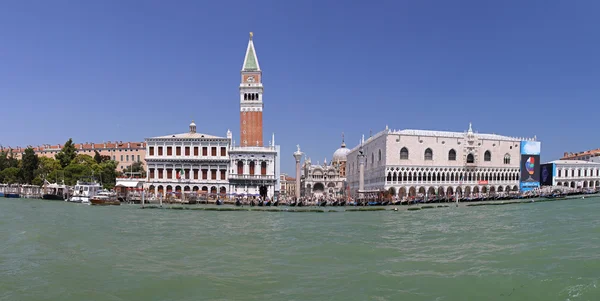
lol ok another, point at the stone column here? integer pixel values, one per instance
(361, 170)
(298, 156)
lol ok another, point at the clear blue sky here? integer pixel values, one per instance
(127, 70)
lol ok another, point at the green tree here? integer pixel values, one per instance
(97, 157)
(29, 164)
(74, 172)
(86, 160)
(135, 168)
(47, 167)
(67, 153)
(38, 181)
(3, 160)
(12, 161)
(108, 173)
(10, 175)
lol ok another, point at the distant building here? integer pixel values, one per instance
(188, 162)
(125, 153)
(571, 173)
(423, 162)
(327, 179)
(288, 185)
(589, 155)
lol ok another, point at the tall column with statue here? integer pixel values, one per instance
(298, 156)
(361, 171)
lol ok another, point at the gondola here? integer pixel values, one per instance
(275, 203)
(268, 203)
(343, 203)
(238, 203)
(218, 202)
(323, 204)
(252, 204)
(300, 204)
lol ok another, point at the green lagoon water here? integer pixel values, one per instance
(59, 251)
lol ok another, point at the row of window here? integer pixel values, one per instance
(187, 151)
(251, 96)
(252, 167)
(428, 156)
(187, 174)
(579, 173)
(127, 158)
(452, 177)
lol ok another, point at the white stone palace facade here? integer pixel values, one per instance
(215, 165)
(436, 162)
(188, 162)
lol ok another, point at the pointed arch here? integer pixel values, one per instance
(507, 159)
(404, 153)
(470, 158)
(452, 155)
(428, 154)
(487, 156)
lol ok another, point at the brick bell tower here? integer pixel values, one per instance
(251, 99)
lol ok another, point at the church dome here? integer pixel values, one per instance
(341, 153)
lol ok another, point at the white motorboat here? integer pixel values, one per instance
(84, 191)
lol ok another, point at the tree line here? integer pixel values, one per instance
(67, 166)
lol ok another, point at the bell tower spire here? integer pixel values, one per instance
(251, 99)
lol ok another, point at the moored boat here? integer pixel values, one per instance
(55, 192)
(105, 198)
(84, 191)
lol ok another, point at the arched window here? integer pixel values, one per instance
(372, 158)
(240, 168)
(487, 156)
(452, 155)
(252, 167)
(404, 153)
(428, 154)
(379, 155)
(507, 159)
(470, 158)
(263, 168)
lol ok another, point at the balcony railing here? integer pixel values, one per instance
(251, 177)
(251, 148)
(207, 158)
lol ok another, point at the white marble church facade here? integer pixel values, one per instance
(436, 162)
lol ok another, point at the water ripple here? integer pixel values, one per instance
(59, 251)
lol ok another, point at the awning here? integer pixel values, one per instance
(128, 184)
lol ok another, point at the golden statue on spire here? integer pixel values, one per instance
(251, 35)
